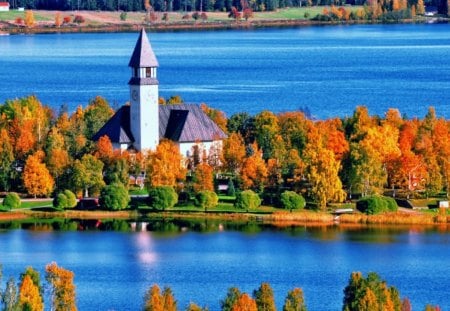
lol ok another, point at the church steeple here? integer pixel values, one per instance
(144, 95)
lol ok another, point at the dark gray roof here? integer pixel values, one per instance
(187, 123)
(117, 128)
(179, 123)
(143, 55)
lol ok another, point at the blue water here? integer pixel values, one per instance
(330, 70)
(114, 269)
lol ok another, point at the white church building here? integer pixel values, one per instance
(142, 124)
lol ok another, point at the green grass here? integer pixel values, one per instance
(12, 15)
(34, 204)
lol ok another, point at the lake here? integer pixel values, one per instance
(329, 70)
(201, 260)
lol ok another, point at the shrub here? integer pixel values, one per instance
(165, 17)
(66, 19)
(60, 201)
(114, 197)
(186, 16)
(231, 191)
(291, 200)
(123, 16)
(163, 197)
(307, 15)
(206, 199)
(247, 200)
(78, 19)
(19, 20)
(11, 201)
(376, 204)
(195, 15)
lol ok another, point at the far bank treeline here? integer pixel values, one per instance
(361, 294)
(43, 152)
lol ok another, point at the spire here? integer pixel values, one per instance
(143, 55)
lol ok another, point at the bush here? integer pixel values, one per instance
(231, 191)
(247, 200)
(163, 197)
(291, 200)
(123, 16)
(78, 19)
(66, 19)
(11, 201)
(65, 199)
(195, 15)
(114, 197)
(206, 199)
(376, 204)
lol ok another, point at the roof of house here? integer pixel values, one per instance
(143, 55)
(179, 123)
(118, 127)
(4, 3)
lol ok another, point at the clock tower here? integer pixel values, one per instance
(144, 95)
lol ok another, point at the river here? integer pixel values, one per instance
(201, 260)
(329, 70)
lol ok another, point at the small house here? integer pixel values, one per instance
(4, 6)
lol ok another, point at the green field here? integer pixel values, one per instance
(12, 15)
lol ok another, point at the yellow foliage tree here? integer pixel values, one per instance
(36, 177)
(254, 170)
(203, 178)
(29, 18)
(154, 301)
(58, 19)
(29, 296)
(233, 152)
(420, 7)
(164, 167)
(63, 288)
(244, 303)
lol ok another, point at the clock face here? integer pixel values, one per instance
(134, 94)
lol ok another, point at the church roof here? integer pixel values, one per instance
(143, 55)
(117, 128)
(187, 123)
(179, 123)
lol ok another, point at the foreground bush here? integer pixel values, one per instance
(163, 197)
(114, 197)
(247, 200)
(11, 201)
(65, 199)
(291, 200)
(206, 199)
(376, 204)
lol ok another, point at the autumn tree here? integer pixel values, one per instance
(244, 303)
(6, 160)
(164, 167)
(203, 178)
(264, 298)
(294, 301)
(231, 298)
(233, 153)
(254, 170)
(104, 149)
(58, 19)
(243, 124)
(10, 297)
(62, 287)
(36, 177)
(29, 296)
(170, 303)
(29, 18)
(87, 174)
(216, 115)
(57, 157)
(153, 300)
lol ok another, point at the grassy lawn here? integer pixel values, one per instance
(12, 15)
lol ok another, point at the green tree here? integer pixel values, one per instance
(114, 197)
(267, 128)
(11, 201)
(230, 300)
(294, 301)
(97, 113)
(117, 171)
(206, 199)
(88, 174)
(6, 160)
(264, 298)
(60, 201)
(247, 200)
(291, 200)
(163, 197)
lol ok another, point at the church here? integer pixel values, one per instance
(143, 123)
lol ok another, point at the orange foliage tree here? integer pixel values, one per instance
(62, 286)
(29, 296)
(233, 153)
(203, 178)
(36, 177)
(244, 303)
(254, 170)
(29, 18)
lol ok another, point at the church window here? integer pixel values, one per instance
(148, 72)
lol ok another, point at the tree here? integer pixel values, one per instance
(36, 177)
(97, 113)
(254, 171)
(206, 199)
(203, 178)
(165, 165)
(88, 174)
(264, 298)
(170, 303)
(117, 171)
(62, 287)
(65, 199)
(104, 149)
(114, 197)
(231, 298)
(233, 152)
(247, 13)
(58, 19)
(245, 303)
(291, 200)
(163, 197)
(194, 307)
(29, 296)
(9, 296)
(216, 115)
(154, 300)
(29, 18)
(406, 305)
(294, 301)
(11, 201)
(247, 200)
(267, 128)
(6, 159)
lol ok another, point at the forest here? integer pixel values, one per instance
(44, 152)
(361, 294)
